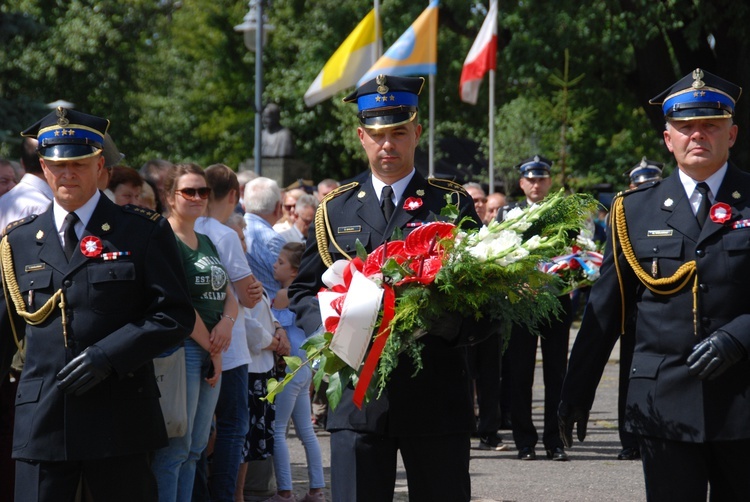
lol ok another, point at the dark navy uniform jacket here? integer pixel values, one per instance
(437, 400)
(663, 400)
(133, 308)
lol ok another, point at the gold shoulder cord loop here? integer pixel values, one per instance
(323, 226)
(12, 291)
(662, 286)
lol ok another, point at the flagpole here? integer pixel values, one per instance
(431, 156)
(492, 131)
(379, 44)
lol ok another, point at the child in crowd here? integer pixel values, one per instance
(294, 401)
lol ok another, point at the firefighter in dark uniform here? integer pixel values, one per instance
(643, 172)
(519, 359)
(678, 259)
(428, 417)
(95, 291)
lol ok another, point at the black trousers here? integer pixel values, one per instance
(363, 467)
(521, 357)
(117, 479)
(627, 345)
(679, 471)
(484, 363)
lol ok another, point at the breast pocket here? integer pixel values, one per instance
(663, 254)
(35, 287)
(737, 255)
(348, 243)
(112, 286)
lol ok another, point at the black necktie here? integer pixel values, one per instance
(705, 204)
(71, 239)
(386, 202)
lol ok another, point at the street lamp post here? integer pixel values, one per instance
(256, 31)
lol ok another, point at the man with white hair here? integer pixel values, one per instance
(263, 209)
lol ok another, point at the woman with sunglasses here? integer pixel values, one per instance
(216, 308)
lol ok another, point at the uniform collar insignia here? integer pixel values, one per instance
(362, 194)
(420, 193)
(736, 195)
(40, 235)
(106, 227)
(669, 202)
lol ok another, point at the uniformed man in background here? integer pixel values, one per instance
(97, 291)
(643, 172)
(678, 260)
(519, 359)
(428, 417)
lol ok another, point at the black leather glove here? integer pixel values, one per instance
(714, 355)
(85, 371)
(567, 415)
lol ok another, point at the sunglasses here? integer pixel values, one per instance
(190, 193)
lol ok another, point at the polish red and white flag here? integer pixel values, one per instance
(481, 59)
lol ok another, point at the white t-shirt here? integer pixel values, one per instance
(32, 195)
(227, 243)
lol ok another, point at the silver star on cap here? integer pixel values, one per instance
(668, 203)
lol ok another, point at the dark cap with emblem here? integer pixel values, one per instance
(699, 95)
(68, 135)
(645, 170)
(535, 167)
(387, 101)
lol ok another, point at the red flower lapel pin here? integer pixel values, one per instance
(720, 213)
(91, 246)
(412, 203)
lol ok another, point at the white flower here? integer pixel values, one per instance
(533, 243)
(512, 257)
(585, 243)
(514, 213)
(495, 244)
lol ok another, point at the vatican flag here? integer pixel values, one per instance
(350, 61)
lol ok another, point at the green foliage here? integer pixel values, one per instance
(177, 82)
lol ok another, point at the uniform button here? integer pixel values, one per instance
(634, 371)
(703, 287)
(67, 283)
(656, 249)
(699, 252)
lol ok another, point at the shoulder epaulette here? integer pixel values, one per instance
(448, 185)
(142, 211)
(639, 188)
(322, 224)
(339, 190)
(20, 222)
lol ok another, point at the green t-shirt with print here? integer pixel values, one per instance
(207, 279)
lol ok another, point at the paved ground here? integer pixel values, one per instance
(593, 473)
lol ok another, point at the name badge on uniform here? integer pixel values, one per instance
(349, 230)
(35, 267)
(660, 233)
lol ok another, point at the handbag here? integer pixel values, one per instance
(171, 378)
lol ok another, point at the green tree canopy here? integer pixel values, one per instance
(177, 82)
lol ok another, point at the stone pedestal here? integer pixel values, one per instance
(283, 170)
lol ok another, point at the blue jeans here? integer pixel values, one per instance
(174, 465)
(232, 423)
(294, 402)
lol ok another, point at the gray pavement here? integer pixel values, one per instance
(593, 473)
